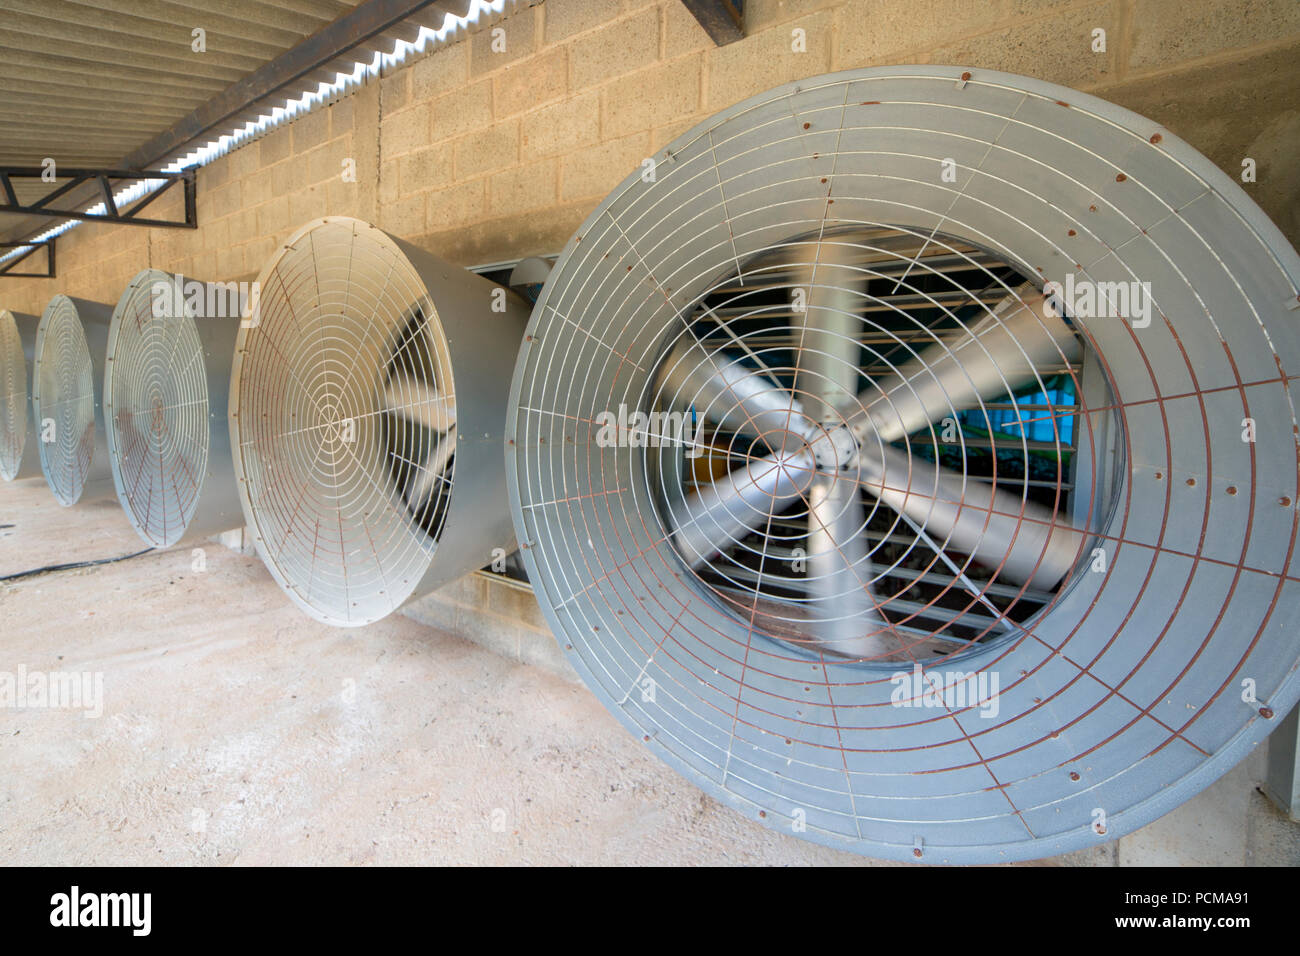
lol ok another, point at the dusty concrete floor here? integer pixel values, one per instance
(236, 730)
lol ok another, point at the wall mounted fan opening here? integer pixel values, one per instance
(367, 406)
(869, 537)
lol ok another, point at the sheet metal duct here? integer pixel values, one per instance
(367, 407)
(66, 399)
(170, 347)
(929, 564)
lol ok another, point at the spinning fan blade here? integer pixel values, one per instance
(726, 392)
(995, 355)
(419, 402)
(828, 378)
(827, 343)
(838, 573)
(1029, 543)
(423, 482)
(725, 511)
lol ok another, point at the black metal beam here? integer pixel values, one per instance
(104, 180)
(723, 20)
(7, 267)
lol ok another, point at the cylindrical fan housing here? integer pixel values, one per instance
(366, 415)
(66, 399)
(831, 272)
(19, 456)
(166, 389)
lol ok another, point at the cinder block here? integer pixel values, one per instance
(682, 33)
(488, 149)
(343, 199)
(613, 50)
(275, 146)
(310, 130)
(593, 172)
(664, 135)
(466, 590)
(524, 188)
(502, 43)
(515, 603)
(226, 200)
(257, 188)
(405, 217)
(389, 181)
(325, 163)
(526, 234)
(460, 112)
(767, 59)
(457, 206)
(761, 14)
(531, 83)
(243, 225)
(425, 169)
(230, 262)
(1168, 32)
(258, 252)
(560, 128)
(444, 70)
(394, 91)
(1057, 49)
(895, 27)
(306, 205)
(285, 178)
(405, 131)
(566, 18)
(651, 97)
(341, 116)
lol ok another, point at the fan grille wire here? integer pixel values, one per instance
(13, 397)
(64, 398)
(915, 288)
(156, 409)
(1122, 698)
(333, 385)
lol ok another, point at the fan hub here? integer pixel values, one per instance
(834, 446)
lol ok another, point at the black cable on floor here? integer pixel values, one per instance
(73, 565)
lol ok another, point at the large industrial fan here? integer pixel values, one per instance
(910, 462)
(367, 405)
(66, 399)
(19, 457)
(166, 385)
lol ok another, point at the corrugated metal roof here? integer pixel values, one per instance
(109, 83)
(86, 83)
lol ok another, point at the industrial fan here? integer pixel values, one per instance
(366, 410)
(166, 384)
(67, 387)
(911, 463)
(19, 457)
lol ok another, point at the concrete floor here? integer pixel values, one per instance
(236, 730)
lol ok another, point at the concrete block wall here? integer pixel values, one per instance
(485, 156)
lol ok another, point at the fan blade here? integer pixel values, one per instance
(422, 485)
(838, 572)
(1030, 543)
(996, 355)
(733, 396)
(827, 358)
(721, 513)
(419, 402)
